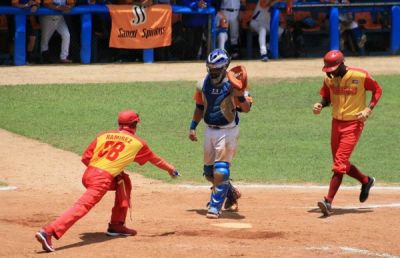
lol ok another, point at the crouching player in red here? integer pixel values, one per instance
(344, 89)
(106, 158)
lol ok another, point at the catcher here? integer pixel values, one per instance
(106, 158)
(219, 99)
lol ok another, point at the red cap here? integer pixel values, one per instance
(332, 60)
(128, 117)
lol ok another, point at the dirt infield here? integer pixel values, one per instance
(274, 221)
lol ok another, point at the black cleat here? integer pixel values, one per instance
(326, 207)
(365, 189)
(232, 196)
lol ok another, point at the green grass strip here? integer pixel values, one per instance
(281, 141)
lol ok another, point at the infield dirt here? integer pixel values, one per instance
(170, 219)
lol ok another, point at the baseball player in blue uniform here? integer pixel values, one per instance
(219, 99)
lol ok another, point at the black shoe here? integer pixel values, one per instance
(365, 189)
(232, 196)
(326, 207)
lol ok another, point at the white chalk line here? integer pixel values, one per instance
(302, 187)
(7, 188)
(347, 249)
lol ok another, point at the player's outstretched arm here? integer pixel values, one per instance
(164, 165)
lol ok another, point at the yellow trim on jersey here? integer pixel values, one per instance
(114, 151)
(347, 95)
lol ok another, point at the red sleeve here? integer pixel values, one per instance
(161, 163)
(88, 154)
(325, 93)
(372, 85)
(144, 155)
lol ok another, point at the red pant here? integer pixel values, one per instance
(97, 183)
(344, 137)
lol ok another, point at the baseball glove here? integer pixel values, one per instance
(238, 77)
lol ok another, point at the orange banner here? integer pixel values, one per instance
(136, 27)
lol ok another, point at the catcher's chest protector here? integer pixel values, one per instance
(218, 105)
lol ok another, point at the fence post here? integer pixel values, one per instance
(395, 30)
(334, 28)
(86, 38)
(274, 35)
(20, 40)
(148, 55)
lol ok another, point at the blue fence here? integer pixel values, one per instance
(334, 10)
(86, 12)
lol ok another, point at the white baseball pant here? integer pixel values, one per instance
(220, 144)
(49, 24)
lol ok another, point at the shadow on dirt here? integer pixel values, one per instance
(224, 214)
(90, 238)
(342, 211)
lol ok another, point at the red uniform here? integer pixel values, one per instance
(106, 158)
(347, 96)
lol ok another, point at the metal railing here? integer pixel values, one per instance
(86, 12)
(334, 10)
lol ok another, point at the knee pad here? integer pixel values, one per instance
(208, 172)
(221, 173)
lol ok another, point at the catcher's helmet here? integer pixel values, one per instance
(217, 63)
(332, 60)
(128, 117)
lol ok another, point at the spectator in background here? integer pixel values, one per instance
(230, 9)
(222, 26)
(51, 23)
(31, 24)
(352, 35)
(260, 22)
(195, 29)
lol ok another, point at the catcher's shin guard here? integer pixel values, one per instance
(221, 185)
(232, 195)
(218, 195)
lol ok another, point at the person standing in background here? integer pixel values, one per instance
(51, 23)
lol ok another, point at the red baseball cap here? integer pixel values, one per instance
(128, 117)
(332, 60)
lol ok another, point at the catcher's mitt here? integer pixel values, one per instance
(238, 77)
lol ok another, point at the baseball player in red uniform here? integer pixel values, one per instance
(344, 89)
(106, 158)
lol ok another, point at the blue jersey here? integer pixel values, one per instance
(219, 107)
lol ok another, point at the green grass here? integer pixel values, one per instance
(281, 140)
(3, 184)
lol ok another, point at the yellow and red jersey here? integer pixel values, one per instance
(112, 151)
(347, 95)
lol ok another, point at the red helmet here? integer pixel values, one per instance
(332, 60)
(128, 117)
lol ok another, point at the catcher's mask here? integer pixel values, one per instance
(217, 63)
(128, 117)
(332, 60)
